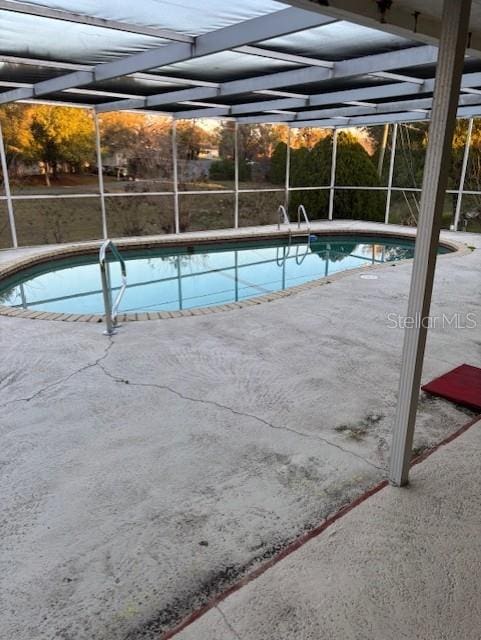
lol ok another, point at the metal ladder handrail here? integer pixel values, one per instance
(301, 209)
(111, 309)
(282, 216)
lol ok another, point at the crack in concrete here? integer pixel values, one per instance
(225, 407)
(63, 379)
(228, 624)
(219, 405)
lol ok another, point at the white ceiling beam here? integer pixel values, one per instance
(122, 26)
(362, 121)
(370, 62)
(249, 107)
(375, 92)
(61, 64)
(346, 68)
(83, 92)
(386, 107)
(398, 19)
(247, 32)
(343, 69)
(214, 112)
(269, 105)
(315, 62)
(286, 57)
(397, 76)
(281, 94)
(79, 18)
(346, 112)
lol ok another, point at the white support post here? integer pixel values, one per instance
(382, 150)
(288, 170)
(392, 159)
(332, 184)
(8, 194)
(236, 175)
(100, 173)
(452, 46)
(175, 177)
(463, 175)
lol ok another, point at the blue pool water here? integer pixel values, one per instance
(198, 276)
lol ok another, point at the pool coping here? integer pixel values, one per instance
(18, 265)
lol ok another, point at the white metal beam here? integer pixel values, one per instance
(288, 170)
(69, 16)
(61, 64)
(286, 57)
(332, 184)
(238, 109)
(78, 18)
(236, 176)
(392, 158)
(211, 112)
(247, 32)
(386, 90)
(462, 178)
(344, 69)
(100, 174)
(345, 112)
(396, 18)
(382, 107)
(454, 34)
(6, 186)
(360, 121)
(175, 178)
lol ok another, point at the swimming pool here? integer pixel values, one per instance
(172, 279)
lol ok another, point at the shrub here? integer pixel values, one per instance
(277, 172)
(311, 168)
(225, 170)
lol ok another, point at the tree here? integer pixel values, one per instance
(257, 141)
(59, 134)
(192, 138)
(143, 140)
(14, 119)
(307, 137)
(277, 174)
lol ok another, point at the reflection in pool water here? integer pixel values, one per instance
(173, 279)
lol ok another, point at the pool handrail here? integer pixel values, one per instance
(301, 210)
(111, 309)
(282, 216)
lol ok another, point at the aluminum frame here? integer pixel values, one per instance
(462, 177)
(455, 25)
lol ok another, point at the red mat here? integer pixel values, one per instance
(461, 385)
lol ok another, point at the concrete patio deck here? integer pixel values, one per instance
(144, 474)
(403, 564)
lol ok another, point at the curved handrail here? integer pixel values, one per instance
(111, 309)
(302, 210)
(282, 216)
